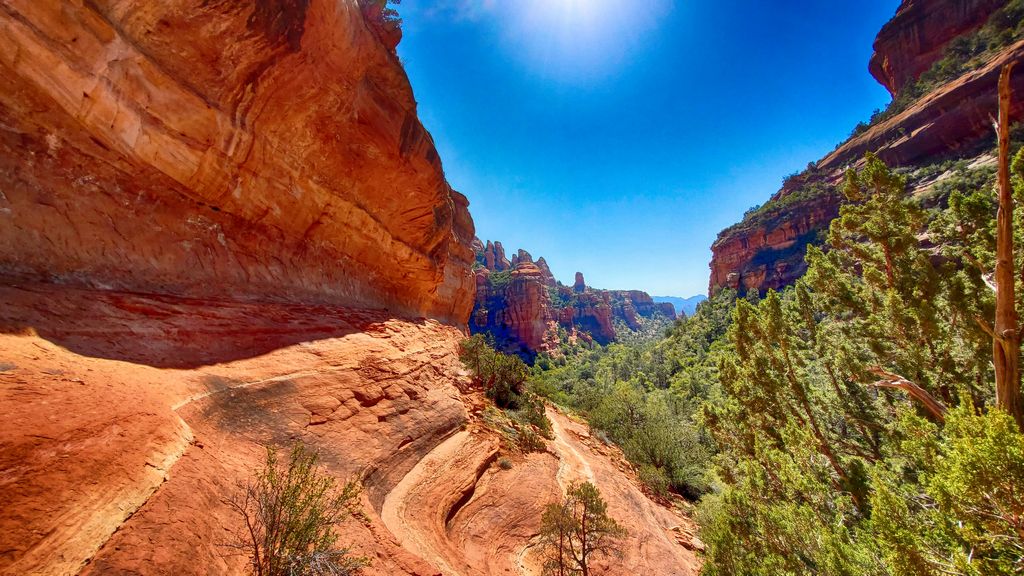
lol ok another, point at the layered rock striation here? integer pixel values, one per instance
(917, 35)
(950, 121)
(267, 150)
(769, 254)
(132, 420)
(527, 311)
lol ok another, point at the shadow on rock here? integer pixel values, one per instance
(171, 332)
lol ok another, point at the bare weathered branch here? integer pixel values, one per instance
(890, 380)
(986, 327)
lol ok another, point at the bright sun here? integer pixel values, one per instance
(579, 40)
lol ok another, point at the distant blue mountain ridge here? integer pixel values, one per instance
(683, 305)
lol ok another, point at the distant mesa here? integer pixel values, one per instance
(682, 306)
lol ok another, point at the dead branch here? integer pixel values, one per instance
(890, 380)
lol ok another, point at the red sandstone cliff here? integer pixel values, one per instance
(766, 250)
(527, 311)
(770, 254)
(916, 36)
(267, 150)
(519, 310)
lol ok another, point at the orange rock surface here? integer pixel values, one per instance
(140, 414)
(770, 256)
(130, 419)
(222, 227)
(916, 36)
(526, 310)
(266, 150)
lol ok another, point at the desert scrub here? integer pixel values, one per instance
(289, 510)
(522, 436)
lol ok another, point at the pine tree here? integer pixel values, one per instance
(577, 530)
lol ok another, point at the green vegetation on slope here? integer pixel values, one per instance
(289, 511)
(644, 396)
(503, 378)
(843, 426)
(962, 55)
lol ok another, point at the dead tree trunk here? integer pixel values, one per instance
(1006, 341)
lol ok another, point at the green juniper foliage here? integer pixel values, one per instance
(644, 396)
(855, 427)
(503, 378)
(847, 424)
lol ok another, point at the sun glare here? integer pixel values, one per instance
(575, 40)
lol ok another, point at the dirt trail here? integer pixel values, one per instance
(572, 466)
(468, 518)
(651, 547)
(419, 509)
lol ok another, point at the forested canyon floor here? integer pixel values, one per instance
(132, 417)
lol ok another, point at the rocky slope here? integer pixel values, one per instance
(221, 227)
(519, 303)
(140, 150)
(130, 419)
(950, 120)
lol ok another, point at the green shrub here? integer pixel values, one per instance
(503, 378)
(517, 432)
(530, 441)
(654, 479)
(531, 411)
(290, 511)
(499, 280)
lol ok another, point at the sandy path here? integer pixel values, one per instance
(650, 547)
(446, 509)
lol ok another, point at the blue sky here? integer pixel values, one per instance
(617, 140)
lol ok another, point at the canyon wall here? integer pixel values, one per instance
(952, 120)
(768, 255)
(266, 150)
(521, 305)
(916, 36)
